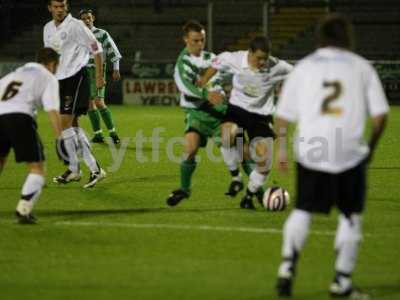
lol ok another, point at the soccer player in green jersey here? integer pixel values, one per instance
(97, 105)
(204, 107)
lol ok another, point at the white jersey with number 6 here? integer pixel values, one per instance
(28, 88)
(253, 90)
(329, 95)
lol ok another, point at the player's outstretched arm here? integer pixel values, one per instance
(210, 72)
(115, 57)
(378, 126)
(98, 60)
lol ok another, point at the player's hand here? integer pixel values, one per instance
(100, 82)
(215, 98)
(116, 75)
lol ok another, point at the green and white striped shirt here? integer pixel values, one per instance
(188, 69)
(110, 50)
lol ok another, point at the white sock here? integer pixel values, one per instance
(256, 180)
(231, 157)
(30, 193)
(87, 154)
(348, 236)
(71, 146)
(295, 232)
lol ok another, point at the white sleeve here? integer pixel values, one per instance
(287, 105)
(46, 42)
(51, 95)
(222, 62)
(284, 67)
(376, 98)
(86, 38)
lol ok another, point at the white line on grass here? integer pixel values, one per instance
(186, 227)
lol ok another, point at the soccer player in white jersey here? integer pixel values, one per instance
(75, 43)
(256, 74)
(97, 105)
(329, 95)
(22, 92)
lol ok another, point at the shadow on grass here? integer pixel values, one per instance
(107, 182)
(384, 168)
(109, 212)
(134, 179)
(386, 291)
(389, 291)
(131, 146)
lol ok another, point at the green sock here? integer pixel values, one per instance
(248, 166)
(107, 118)
(94, 117)
(187, 169)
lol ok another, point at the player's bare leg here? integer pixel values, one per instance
(30, 193)
(263, 148)
(188, 166)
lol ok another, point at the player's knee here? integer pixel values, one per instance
(190, 152)
(66, 121)
(92, 105)
(100, 103)
(228, 134)
(36, 168)
(263, 155)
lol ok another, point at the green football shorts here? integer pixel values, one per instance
(204, 124)
(94, 92)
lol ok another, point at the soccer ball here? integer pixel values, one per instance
(276, 199)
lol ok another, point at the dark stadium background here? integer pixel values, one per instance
(149, 37)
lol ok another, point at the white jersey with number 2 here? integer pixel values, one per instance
(329, 95)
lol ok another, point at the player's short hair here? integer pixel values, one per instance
(335, 30)
(47, 55)
(262, 43)
(192, 25)
(49, 1)
(85, 11)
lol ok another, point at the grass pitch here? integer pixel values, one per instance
(120, 241)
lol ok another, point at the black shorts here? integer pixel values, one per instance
(75, 94)
(319, 191)
(253, 124)
(18, 131)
